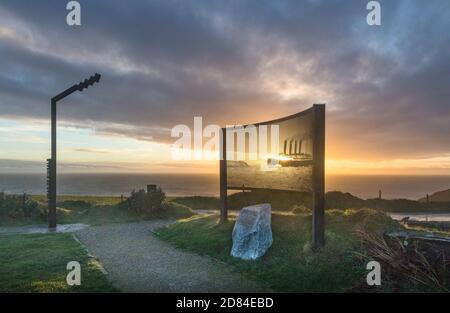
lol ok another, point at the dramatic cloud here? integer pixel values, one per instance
(164, 62)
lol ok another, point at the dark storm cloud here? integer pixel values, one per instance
(164, 62)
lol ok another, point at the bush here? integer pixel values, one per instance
(415, 266)
(143, 202)
(15, 206)
(371, 220)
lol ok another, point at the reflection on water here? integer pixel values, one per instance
(422, 217)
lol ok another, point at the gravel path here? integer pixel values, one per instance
(40, 229)
(137, 261)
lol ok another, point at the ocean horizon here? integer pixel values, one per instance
(363, 186)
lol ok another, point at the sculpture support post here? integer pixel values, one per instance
(223, 177)
(52, 171)
(51, 166)
(318, 179)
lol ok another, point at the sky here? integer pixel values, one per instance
(163, 62)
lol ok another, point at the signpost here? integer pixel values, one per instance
(51, 163)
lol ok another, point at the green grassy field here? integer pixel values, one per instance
(287, 200)
(93, 210)
(37, 263)
(97, 200)
(290, 265)
(198, 203)
(80, 212)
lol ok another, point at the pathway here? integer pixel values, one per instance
(137, 261)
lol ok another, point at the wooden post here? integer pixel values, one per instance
(379, 194)
(223, 177)
(318, 179)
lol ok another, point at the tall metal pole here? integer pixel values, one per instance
(318, 216)
(52, 171)
(223, 178)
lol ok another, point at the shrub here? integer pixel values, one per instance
(141, 201)
(371, 220)
(18, 205)
(418, 266)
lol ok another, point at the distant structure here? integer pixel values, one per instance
(379, 194)
(151, 188)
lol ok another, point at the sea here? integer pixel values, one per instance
(363, 186)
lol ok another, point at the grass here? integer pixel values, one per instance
(96, 200)
(94, 211)
(69, 212)
(198, 202)
(414, 267)
(37, 263)
(289, 265)
(280, 200)
(287, 200)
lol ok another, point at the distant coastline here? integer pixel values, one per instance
(407, 187)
